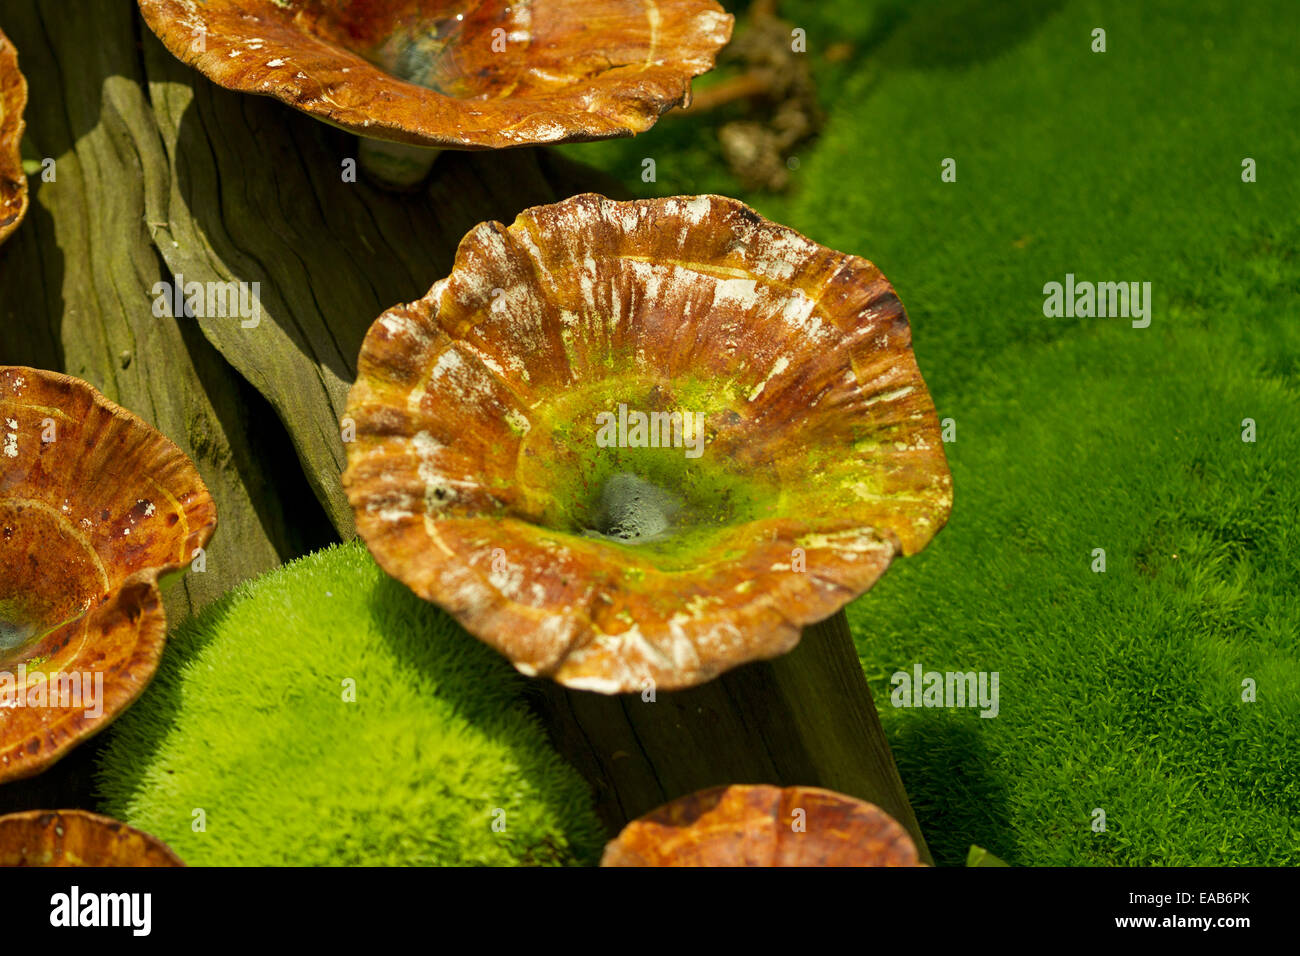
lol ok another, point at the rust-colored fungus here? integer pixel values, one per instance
(763, 826)
(13, 99)
(634, 444)
(77, 838)
(94, 506)
(458, 74)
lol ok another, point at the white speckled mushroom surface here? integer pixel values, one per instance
(479, 475)
(456, 74)
(95, 506)
(763, 826)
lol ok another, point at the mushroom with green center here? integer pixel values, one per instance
(763, 826)
(453, 74)
(13, 99)
(95, 506)
(77, 838)
(638, 444)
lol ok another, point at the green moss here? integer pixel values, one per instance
(247, 721)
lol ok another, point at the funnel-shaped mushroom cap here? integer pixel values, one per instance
(460, 74)
(94, 506)
(77, 838)
(763, 826)
(13, 99)
(644, 442)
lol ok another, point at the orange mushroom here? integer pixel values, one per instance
(94, 507)
(13, 99)
(455, 74)
(763, 826)
(637, 444)
(77, 838)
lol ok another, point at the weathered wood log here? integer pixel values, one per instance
(160, 173)
(261, 194)
(75, 278)
(74, 284)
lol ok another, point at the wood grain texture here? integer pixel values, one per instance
(75, 285)
(160, 173)
(804, 719)
(258, 194)
(75, 281)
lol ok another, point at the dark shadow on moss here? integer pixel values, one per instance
(951, 34)
(947, 772)
(184, 645)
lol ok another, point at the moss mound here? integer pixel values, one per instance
(437, 760)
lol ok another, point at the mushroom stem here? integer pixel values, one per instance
(803, 719)
(747, 86)
(395, 165)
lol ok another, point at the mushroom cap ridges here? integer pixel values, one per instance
(475, 464)
(546, 71)
(13, 100)
(763, 826)
(77, 838)
(95, 506)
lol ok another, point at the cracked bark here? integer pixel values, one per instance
(76, 277)
(74, 297)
